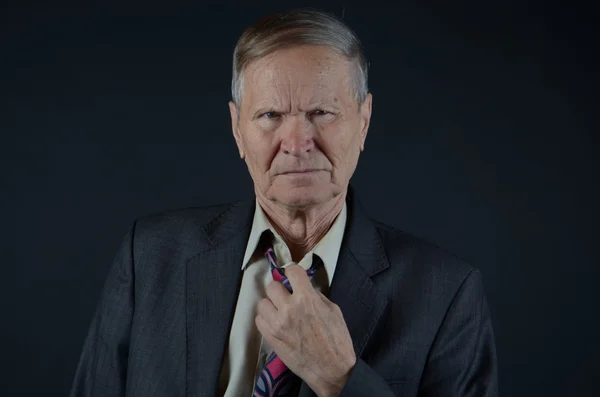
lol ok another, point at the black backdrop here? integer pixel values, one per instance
(481, 142)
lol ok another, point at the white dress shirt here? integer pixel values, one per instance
(247, 351)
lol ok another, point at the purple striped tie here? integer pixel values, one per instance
(276, 379)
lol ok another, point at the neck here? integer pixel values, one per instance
(302, 228)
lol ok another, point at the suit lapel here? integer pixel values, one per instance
(212, 285)
(213, 277)
(361, 256)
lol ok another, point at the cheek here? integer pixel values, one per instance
(259, 152)
(341, 147)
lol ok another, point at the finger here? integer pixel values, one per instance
(323, 297)
(325, 300)
(263, 327)
(265, 331)
(298, 278)
(268, 312)
(277, 293)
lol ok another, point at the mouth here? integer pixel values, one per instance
(300, 172)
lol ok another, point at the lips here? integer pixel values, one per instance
(301, 171)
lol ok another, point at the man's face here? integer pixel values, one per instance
(300, 128)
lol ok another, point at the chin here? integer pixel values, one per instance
(303, 196)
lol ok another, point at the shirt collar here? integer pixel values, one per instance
(260, 224)
(328, 248)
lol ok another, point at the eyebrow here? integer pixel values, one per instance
(319, 105)
(310, 107)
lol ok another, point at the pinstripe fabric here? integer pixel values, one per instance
(417, 315)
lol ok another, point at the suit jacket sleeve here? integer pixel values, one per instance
(102, 368)
(462, 360)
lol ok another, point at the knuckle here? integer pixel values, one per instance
(287, 310)
(278, 329)
(289, 313)
(262, 304)
(306, 301)
(336, 308)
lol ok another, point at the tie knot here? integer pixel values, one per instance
(278, 273)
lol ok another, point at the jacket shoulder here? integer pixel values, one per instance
(183, 226)
(200, 215)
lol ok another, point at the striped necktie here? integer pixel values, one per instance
(276, 380)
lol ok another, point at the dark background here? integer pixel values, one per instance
(481, 142)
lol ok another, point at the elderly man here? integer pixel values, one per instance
(296, 292)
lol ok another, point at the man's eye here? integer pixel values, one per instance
(271, 115)
(320, 112)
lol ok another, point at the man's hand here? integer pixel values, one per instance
(308, 333)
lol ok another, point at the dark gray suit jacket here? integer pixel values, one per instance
(417, 315)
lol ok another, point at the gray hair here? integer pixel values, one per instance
(296, 28)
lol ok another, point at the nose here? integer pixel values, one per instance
(297, 137)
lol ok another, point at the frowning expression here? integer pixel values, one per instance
(299, 126)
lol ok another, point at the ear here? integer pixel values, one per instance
(235, 127)
(365, 115)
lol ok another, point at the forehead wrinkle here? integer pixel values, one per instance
(276, 81)
(265, 86)
(324, 92)
(289, 92)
